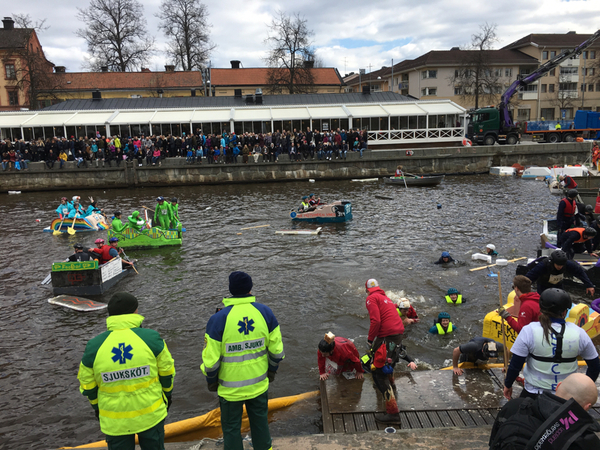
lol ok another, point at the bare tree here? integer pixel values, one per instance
(565, 93)
(115, 34)
(185, 23)
(25, 21)
(476, 79)
(291, 57)
(33, 73)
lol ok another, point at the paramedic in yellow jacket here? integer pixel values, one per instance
(242, 351)
(127, 375)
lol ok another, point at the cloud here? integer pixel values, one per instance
(348, 35)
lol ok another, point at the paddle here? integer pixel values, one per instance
(492, 265)
(57, 232)
(47, 279)
(128, 261)
(145, 207)
(71, 229)
(503, 327)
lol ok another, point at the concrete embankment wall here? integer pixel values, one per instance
(377, 163)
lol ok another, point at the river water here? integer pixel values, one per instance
(314, 284)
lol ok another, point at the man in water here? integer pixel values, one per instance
(445, 259)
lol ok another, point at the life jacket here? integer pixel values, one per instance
(597, 208)
(104, 254)
(571, 183)
(305, 206)
(440, 329)
(570, 207)
(580, 231)
(550, 363)
(457, 302)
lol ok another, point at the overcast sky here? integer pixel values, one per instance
(348, 34)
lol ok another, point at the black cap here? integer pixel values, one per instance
(117, 213)
(78, 246)
(240, 284)
(174, 199)
(122, 303)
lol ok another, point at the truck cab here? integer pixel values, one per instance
(485, 128)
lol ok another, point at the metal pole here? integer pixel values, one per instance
(392, 86)
(583, 84)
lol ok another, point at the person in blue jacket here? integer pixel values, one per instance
(63, 208)
(550, 272)
(75, 208)
(445, 259)
(443, 325)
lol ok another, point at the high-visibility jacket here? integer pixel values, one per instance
(544, 368)
(127, 374)
(242, 343)
(457, 302)
(440, 328)
(580, 231)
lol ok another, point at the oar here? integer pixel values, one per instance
(57, 232)
(492, 265)
(257, 226)
(503, 327)
(47, 279)
(132, 264)
(71, 229)
(145, 207)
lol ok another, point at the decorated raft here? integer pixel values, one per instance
(93, 222)
(335, 212)
(147, 238)
(86, 277)
(579, 314)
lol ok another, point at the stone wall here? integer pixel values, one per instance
(376, 163)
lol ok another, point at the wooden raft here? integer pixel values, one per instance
(426, 399)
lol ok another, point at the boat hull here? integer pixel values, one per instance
(336, 212)
(579, 314)
(86, 277)
(415, 181)
(147, 238)
(94, 222)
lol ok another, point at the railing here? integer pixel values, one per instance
(432, 134)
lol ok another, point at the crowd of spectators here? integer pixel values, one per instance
(197, 148)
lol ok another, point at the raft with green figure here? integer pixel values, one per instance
(147, 237)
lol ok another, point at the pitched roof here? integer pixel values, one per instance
(227, 101)
(565, 40)
(14, 38)
(85, 81)
(258, 76)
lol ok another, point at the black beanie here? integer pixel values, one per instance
(326, 347)
(122, 303)
(240, 284)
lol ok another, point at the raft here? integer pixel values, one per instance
(86, 277)
(209, 424)
(339, 211)
(93, 222)
(146, 238)
(579, 315)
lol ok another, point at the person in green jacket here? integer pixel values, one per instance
(134, 221)
(127, 375)
(242, 351)
(162, 214)
(174, 205)
(117, 224)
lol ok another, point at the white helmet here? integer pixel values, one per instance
(403, 303)
(491, 246)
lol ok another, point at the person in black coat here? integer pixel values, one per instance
(550, 272)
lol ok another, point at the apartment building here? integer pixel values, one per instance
(574, 85)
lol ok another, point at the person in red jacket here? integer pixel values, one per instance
(386, 329)
(337, 355)
(529, 311)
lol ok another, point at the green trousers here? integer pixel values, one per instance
(257, 409)
(151, 439)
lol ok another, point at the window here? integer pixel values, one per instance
(458, 91)
(547, 113)
(568, 70)
(429, 74)
(552, 73)
(529, 88)
(591, 87)
(592, 54)
(524, 71)
(583, 87)
(552, 54)
(523, 114)
(550, 88)
(428, 91)
(567, 86)
(545, 54)
(508, 73)
(13, 98)
(544, 88)
(10, 72)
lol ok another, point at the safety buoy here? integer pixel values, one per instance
(466, 142)
(409, 153)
